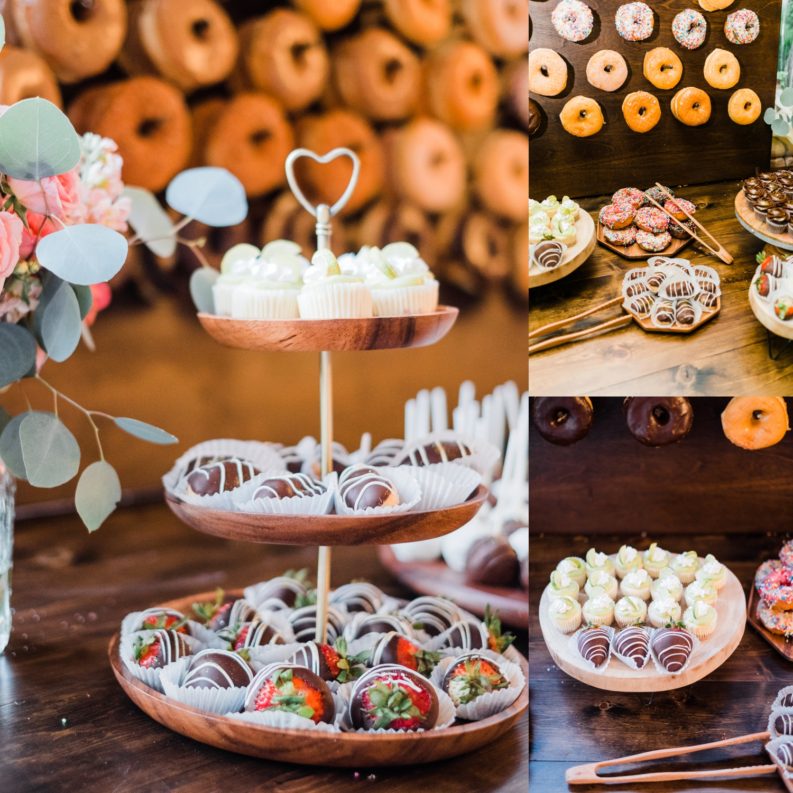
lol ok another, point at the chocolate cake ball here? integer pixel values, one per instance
(158, 649)
(291, 689)
(784, 753)
(217, 669)
(341, 459)
(783, 724)
(292, 458)
(385, 452)
(436, 452)
(672, 647)
(492, 561)
(363, 487)
(220, 477)
(787, 700)
(304, 623)
(433, 615)
(472, 675)
(357, 596)
(206, 459)
(593, 644)
(289, 486)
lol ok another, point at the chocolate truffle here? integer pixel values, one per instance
(357, 596)
(394, 648)
(783, 724)
(784, 753)
(220, 477)
(158, 649)
(436, 452)
(593, 644)
(672, 647)
(685, 313)
(472, 675)
(363, 487)
(385, 452)
(217, 669)
(535, 118)
(633, 643)
(304, 623)
(289, 486)
(251, 634)
(491, 561)
(787, 700)
(292, 458)
(378, 623)
(291, 689)
(431, 614)
(206, 459)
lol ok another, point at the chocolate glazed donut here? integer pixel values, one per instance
(562, 420)
(658, 421)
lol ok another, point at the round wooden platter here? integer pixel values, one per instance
(437, 578)
(333, 335)
(708, 655)
(573, 257)
(327, 529)
(635, 253)
(314, 748)
(760, 229)
(766, 317)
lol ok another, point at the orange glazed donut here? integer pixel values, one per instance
(462, 85)
(387, 222)
(377, 75)
(501, 173)
(77, 39)
(24, 75)
(663, 68)
(547, 72)
(251, 137)
(641, 111)
(744, 106)
(607, 70)
(149, 121)
(327, 182)
(722, 69)
(691, 106)
(204, 115)
(284, 54)
(498, 25)
(285, 219)
(330, 16)
(582, 117)
(426, 165)
(755, 422)
(423, 22)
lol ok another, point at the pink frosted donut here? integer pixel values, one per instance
(654, 243)
(631, 195)
(676, 207)
(616, 216)
(765, 569)
(777, 589)
(786, 554)
(572, 20)
(634, 21)
(780, 622)
(742, 26)
(652, 220)
(689, 29)
(622, 237)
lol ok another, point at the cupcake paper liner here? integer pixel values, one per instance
(445, 485)
(320, 504)
(211, 700)
(272, 654)
(406, 485)
(781, 694)
(342, 300)
(251, 302)
(395, 302)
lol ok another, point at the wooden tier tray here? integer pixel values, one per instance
(327, 529)
(333, 335)
(437, 578)
(708, 655)
(573, 257)
(767, 318)
(635, 253)
(782, 645)
(747, 218)
(314, 748)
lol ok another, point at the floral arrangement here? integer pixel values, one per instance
(64, 212)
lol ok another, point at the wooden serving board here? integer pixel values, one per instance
(314, 748)
(635, 253)
(437, 578)
(767, 318)
(707, 656)
(574, 256)
(782, 645)
(747, 218)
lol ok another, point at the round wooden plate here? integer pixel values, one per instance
(316, 335)
(573, 258)
(327, 529)
(748, 219)
(767, 318)
(707, 656)
(315, 748)
(437, 578)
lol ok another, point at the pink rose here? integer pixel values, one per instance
(53, 195)
(102, 296)
(10, 239)
(38, 226)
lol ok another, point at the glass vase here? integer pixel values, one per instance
(7, 493)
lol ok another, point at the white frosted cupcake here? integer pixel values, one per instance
(712, 572)
(636, 584)
(565, 614)
(235, 269)
(630, 611)
(627, 560)
(700, 591)
(599, 610)
(575, 567)
(596, 560)
(663, 611)
(328, 294)
(562, 586)
(655, 559)
(667, 586)
(685, 565)
(700, 619)
(604, 580)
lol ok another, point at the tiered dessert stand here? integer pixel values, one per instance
(324, 337)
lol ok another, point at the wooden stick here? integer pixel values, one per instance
(551, 326)
(556, 341)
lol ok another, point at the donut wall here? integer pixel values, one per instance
(671, 152)
(432, 97)
(608, 482)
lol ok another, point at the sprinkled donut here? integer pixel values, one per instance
(742, 26)
(777, 589)
(682, 230)
(547, 72)
(691, 106)
(622, 237)
(786, 555)
(572, 20)
(651, 219)
(634, 21)
(722, 69)
(663, 68)
(582, 117)
(629, 195)
(653, 243)
(780, 622)
(659, 194)
(616, 216)
(607, 70)
(744, 106)
(641, 111)
(768, 567)
(689, 29)
(676, 207)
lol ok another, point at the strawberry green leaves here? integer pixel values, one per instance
(97, 495)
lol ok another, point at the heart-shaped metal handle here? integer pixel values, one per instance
(334, 154)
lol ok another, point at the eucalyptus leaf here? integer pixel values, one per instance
(17, 353)
(10, 447)
(49, 450)
(98, 493)
(61, 325)
(780, 127)
(85, 298)
(150, 221)
(5, 417)
(212, 195)
(770, 115)
(37, 140)
(786, 97)
(201, 282)
(84, 254)
(144, 431)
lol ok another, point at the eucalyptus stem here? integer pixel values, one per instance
(195, 246)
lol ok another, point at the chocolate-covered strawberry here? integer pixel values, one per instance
(162, 619)
(223, 611)
(291, 689)
(304, 623)
(393, 648)
(431, 614)
(357, 596)
(472, 675)
(217, 669)
(283, 592)
(330, 662)
(783, 308)
(378, 623)
(770, 264)
(763, 284)
(158, 649)
(473, 635)
(391, 697)
(244, 636)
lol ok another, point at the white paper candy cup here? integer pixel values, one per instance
(211, 700)
(445, 485)
(251, 302)
(207, 637)
(227, 500)
(152, 677)
(775, 712)
(660, 667)
(484, 458)
(573, 642)
(280, 720)
(772, 747)
(396, 302)
(406, 485)
(320, 504)
(340, 300)
(272, 654)
(781, 694)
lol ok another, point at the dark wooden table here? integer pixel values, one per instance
(572, 723)
(65, 725)
(728, 355)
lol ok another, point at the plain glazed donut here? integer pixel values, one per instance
(148, 119)
(722, 69)
(715, 5)
(424, 22)
(24, 75)
(498, 25)
(658, 421)
(689, 29)
(377, 75)
(501, 173)
(582, 117)
(426, 165)
(387, 222)
(252, 138)
(755, 422)
(547, 72)
(742, 26)
(607, 70)
(283, 54)
(634, 21)
(77, 40)
(744, 106)
(562, 420)
(329, 16)
(662, 68)
(641, 111)
(691, 106)
(331, 130)
(462, 85)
